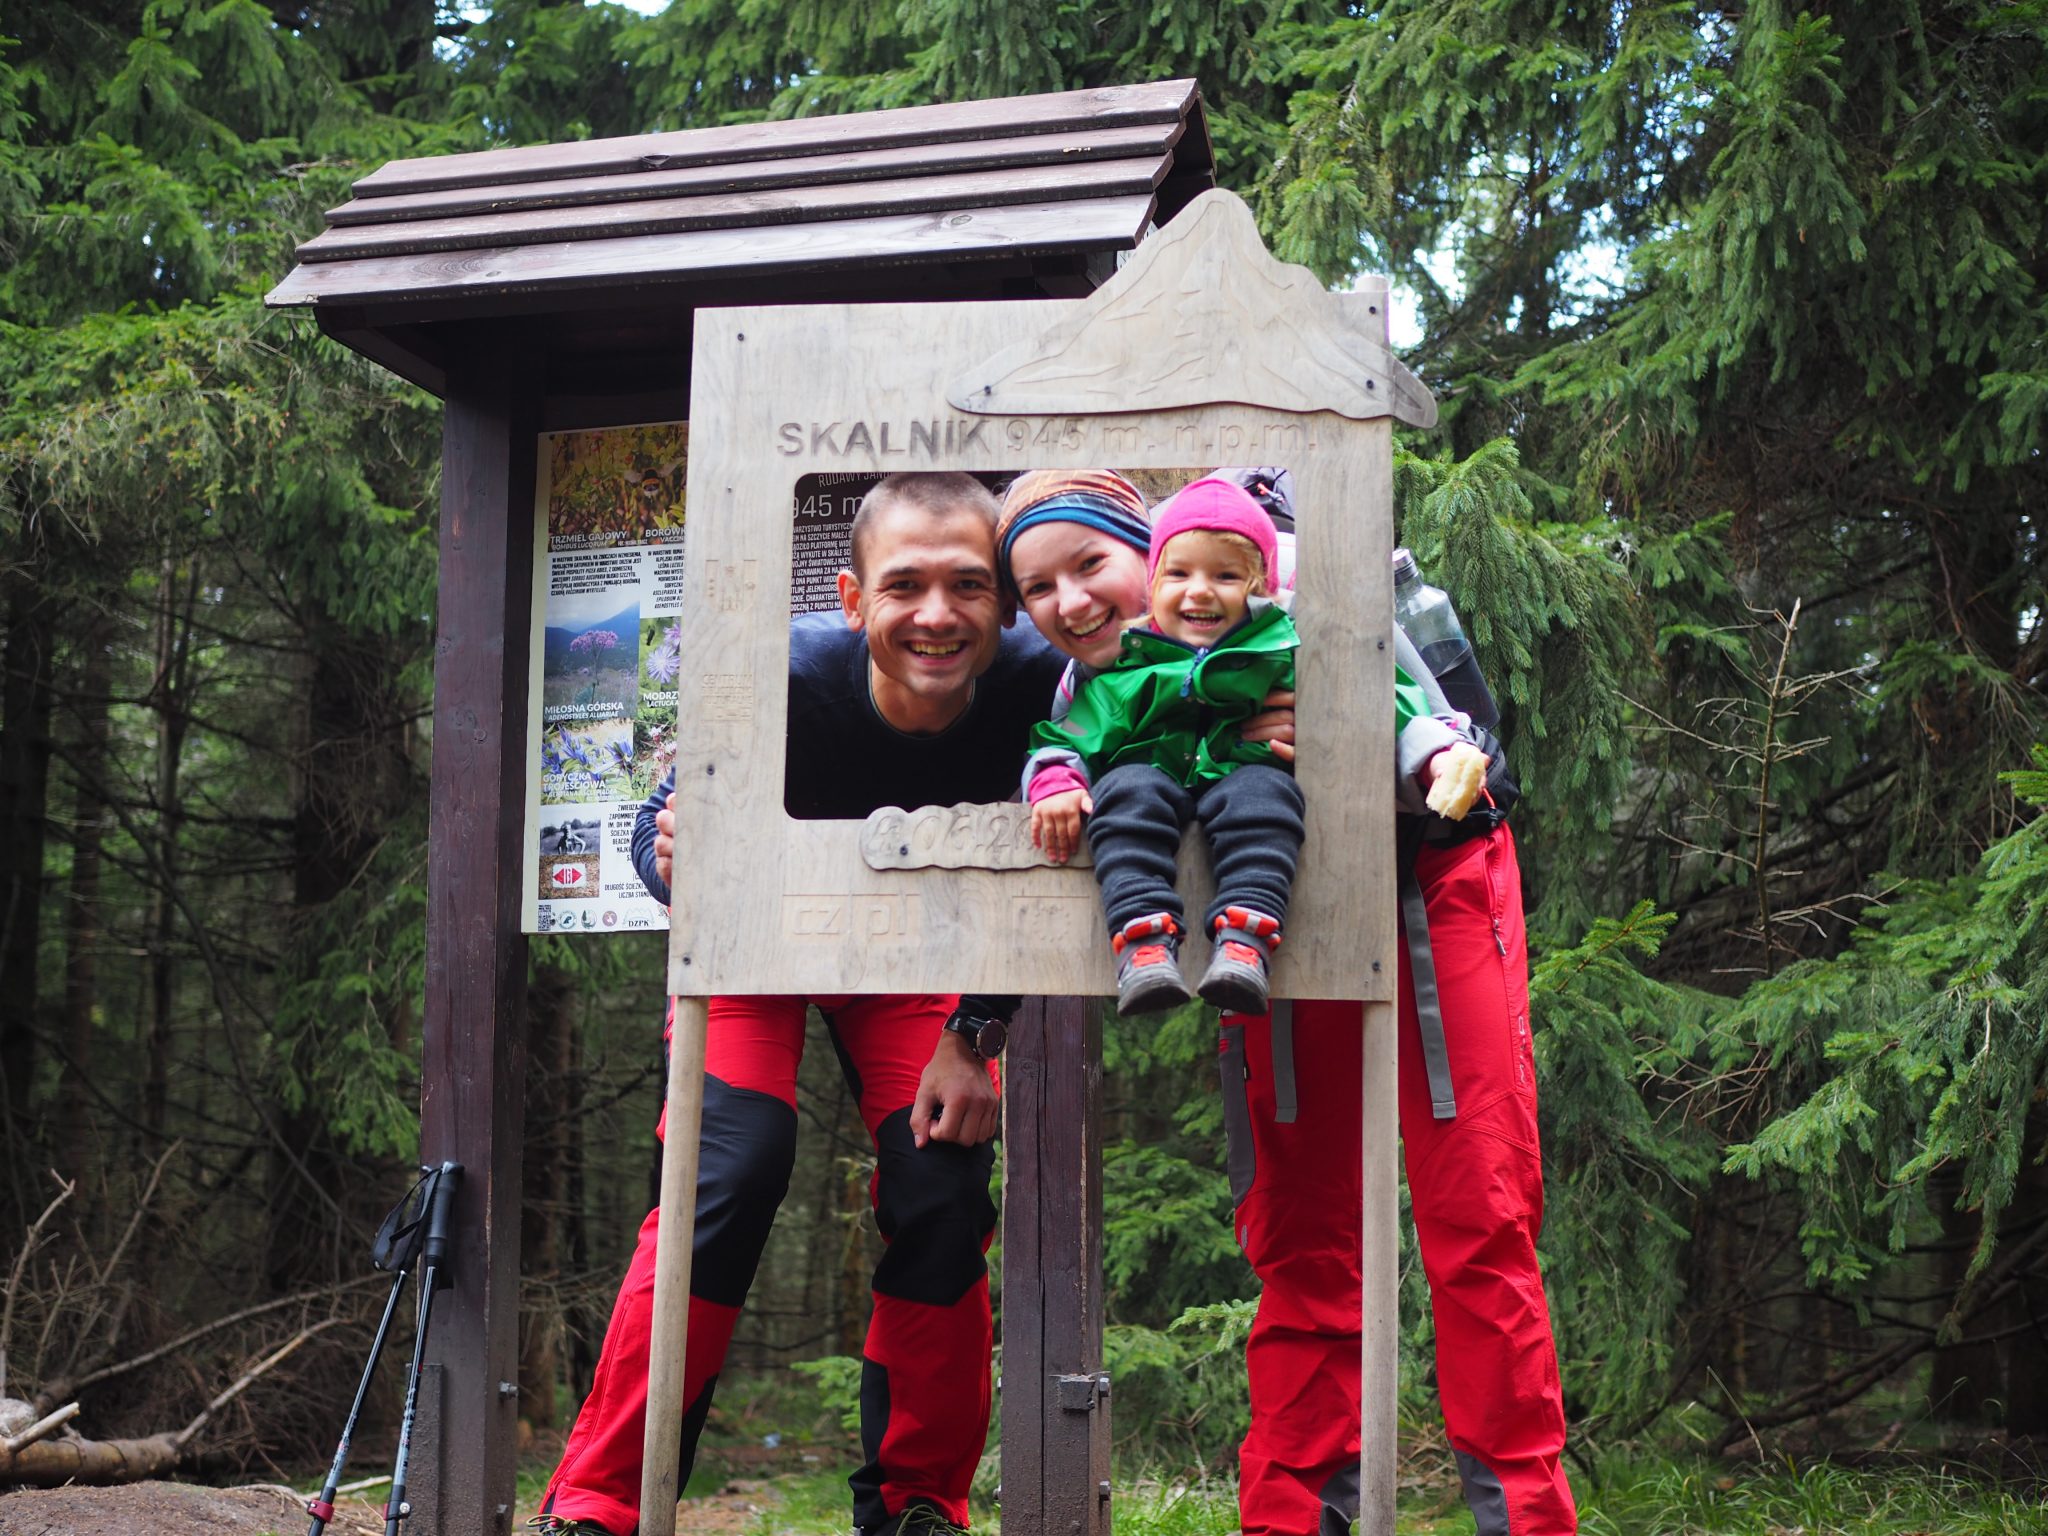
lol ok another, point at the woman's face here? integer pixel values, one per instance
(1080, 587)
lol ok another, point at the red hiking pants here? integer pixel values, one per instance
(925, 1368)
(1291, 1102)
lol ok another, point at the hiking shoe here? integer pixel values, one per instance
(1148, 977)
(562, 1525)
(917, 1519)
(1236, 979)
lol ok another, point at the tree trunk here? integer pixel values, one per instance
(352, 780)
(170, 698)
(1967, 1378)
(24, 792)
(53, 1463)
(550, 1026)
(82, 912)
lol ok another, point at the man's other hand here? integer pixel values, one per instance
(1274, 724)
(956, 1099)
(665, 842)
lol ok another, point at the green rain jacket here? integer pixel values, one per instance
(1182, 710)
(1178, 708)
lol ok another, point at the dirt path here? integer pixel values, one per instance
(182, 1509)
(174, 1509)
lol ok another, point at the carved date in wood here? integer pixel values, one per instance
(954, 837)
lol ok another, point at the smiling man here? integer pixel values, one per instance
(915, 694)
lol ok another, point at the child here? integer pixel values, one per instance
(1154, 742)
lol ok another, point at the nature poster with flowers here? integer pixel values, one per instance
(607, 594)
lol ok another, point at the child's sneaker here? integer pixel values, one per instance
(1236, 979)
(1148, 977)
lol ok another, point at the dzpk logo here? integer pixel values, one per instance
(568, 876)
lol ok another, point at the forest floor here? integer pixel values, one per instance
(799, 1489)
(1671, 1498)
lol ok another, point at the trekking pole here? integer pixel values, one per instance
(434, 1257)
(322, 1507)
(674, 1239)
(396, 1250)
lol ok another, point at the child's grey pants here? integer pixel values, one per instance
(1252, 817)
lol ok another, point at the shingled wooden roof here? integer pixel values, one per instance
(1074, 173)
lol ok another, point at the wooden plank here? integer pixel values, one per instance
(660, 1465)
(1320, 350)
(1055, 1457)
(794, 205)
(1380, 1268)
(784, 905)
(1076, 1464)
(473, 1063)
(1106, 223)
(401, 349)
(1055, 112)
(751, 175)
(630, 317)
(1025, 1390)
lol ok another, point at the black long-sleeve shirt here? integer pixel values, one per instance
(844, 760)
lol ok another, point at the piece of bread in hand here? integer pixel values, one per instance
(1460, 776)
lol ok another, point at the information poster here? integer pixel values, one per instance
(607, 596)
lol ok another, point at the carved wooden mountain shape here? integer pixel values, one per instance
(1203, 315)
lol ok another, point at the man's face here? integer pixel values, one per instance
(928, 603)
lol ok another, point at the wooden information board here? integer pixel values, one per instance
(1202, 350)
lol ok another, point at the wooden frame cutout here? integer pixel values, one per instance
(775, 905)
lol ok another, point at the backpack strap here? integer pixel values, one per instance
(1429, 1013)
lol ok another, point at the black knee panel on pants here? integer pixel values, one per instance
(748, 1152)
(932, 1204)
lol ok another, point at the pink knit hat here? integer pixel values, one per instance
(1215, 506)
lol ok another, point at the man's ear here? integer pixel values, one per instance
(1009, 608)
(849, 601)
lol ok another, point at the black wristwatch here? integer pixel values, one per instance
(984, 1037)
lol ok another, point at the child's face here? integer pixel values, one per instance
(1202, 587)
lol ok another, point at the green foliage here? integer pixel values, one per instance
(838, 1379)
(1934, 1057)
(1727, 310)
(1621, 1165)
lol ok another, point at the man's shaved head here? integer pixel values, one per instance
(934, 493)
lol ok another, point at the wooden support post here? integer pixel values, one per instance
(473, 1038)
(1055, 1399)
(674, 1246)
(1380, 1268)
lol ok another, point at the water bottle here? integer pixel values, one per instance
(1431, 624)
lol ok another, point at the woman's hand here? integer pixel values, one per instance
(1455, 777)
(1274, 724)
(1056, 823)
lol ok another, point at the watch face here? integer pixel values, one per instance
(988, 1045)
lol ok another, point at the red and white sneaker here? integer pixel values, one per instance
(1148, 978)
(1236, 979)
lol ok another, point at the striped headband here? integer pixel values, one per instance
(1097, 498)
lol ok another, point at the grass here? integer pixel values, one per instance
(1700, 1498)
(778, 1446)
(1685, 1497)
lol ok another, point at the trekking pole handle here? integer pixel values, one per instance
(440, 1215)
